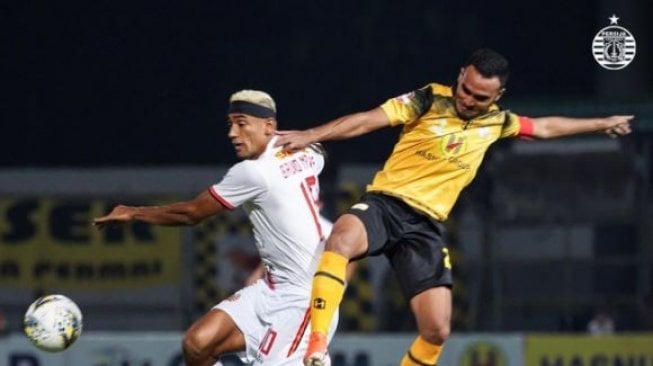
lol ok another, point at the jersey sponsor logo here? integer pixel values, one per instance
(614, 47)
(452, 159)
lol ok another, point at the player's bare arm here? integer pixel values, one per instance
(180, 213)
(552, 127)
(342, 128)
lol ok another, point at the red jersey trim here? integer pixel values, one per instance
(270, 280)
(220, 199)
(300, 332)
(525, 127)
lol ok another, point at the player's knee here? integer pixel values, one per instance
(195, 346)
(336, 245)
(438, 333)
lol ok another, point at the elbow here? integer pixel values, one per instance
(192, 219)
(544, 135)
(542, 130)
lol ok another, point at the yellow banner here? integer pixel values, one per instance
(50, 244)
(558, 350)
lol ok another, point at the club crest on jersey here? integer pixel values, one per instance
(281, 154)
(453, 145)
(614, 46)
(406, 98)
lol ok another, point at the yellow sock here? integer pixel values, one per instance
(421, 353)
(328, 290)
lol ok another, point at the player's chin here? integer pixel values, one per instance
(242, 154)
(466, 113)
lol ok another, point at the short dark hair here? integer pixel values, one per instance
(490, 63)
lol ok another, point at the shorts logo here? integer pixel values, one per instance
(319, 303)
(360, 206)
(614, 46)
(446, 259)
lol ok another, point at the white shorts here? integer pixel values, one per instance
(275, 323)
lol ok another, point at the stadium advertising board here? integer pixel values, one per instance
(483, 350)
(163, 349)
(559, 350)
(51, 243)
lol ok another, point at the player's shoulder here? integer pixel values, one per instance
(440, 89)
(248, 170)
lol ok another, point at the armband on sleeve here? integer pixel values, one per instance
(525, 128)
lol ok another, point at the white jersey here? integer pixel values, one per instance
(280, 191)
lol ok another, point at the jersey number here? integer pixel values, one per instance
(311, 191)
(267, 342)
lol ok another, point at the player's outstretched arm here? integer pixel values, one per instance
(175, 214)
(342, 128)
(552, 127)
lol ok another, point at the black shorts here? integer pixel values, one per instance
(411, 240)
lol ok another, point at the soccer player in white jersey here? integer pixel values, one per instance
(264, 323)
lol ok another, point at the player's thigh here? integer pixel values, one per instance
(432, 309)
(216, 331)
(420, 259)
(348, 237)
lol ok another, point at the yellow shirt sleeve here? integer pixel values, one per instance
(408, 107)
(511, 126)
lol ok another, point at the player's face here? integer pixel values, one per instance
(475, 93)
(250, 135)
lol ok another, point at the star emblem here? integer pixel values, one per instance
(613, 19)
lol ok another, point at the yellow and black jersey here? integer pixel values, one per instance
(438, 153)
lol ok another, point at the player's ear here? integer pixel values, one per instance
(461, 75)
(501, 92)
(270, 126)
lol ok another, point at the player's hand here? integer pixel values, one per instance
(119, 214)
(619, 126)
(294, 140)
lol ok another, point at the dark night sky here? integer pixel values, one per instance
(146, 83)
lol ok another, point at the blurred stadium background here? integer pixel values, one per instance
(107, 103)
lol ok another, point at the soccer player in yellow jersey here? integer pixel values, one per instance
(446, 132)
